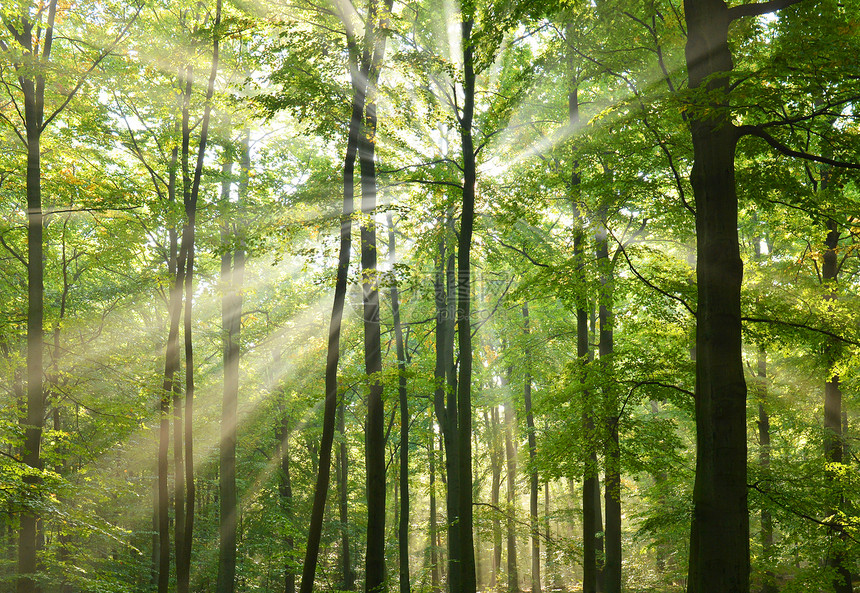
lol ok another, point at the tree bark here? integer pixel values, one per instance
(534, 486)
(591, 525)
(612, 488)
(445, 400)
(769, 584)
(834, 439)
(374, 50)
(719, 535)
(464, 327)
(33, 90)
(232, 278)
(342, 465)
(333, 350)
(511, 510)
(285, 490)
(496, 459)
(403, 527)
(432, 528)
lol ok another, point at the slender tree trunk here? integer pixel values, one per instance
(179, 491)
(496, 458)
(285, 490)
(766, 534)
(33, 90)
(464, 327)
(549, 566)
(35, 417)
(534, 486)
(834, 439)
(769, 584)
(342, 464)
(434, 554)
(612, 537)
(171, 370)
(374, 50)
(183, 551)
(719, 536)
(403, 527)
(511, 510)
(591, 489)
(333, 351)
(445, 401)
(232, 277)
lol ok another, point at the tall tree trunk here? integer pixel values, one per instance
(285, 490)
(432, 528)
(766, 534)
(403, 527)
(171, 370)
(33, 89)
(179, 492)
(342, 465)
(333, 350)
(769, 584)
(534, 486)
(719, 535)
(496, 459)
(464, 327)
(591, 526)
(374, 50)
(445, 400)
(834, 439)
(612, 532)
(183, 553)
(232, 277)
(511, 510)
(549, 566)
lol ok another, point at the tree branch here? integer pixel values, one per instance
(825, 332)
(522, 252)
(92, 67)
(760, 133)
(12, 251)
(737, 12)
(652, 286)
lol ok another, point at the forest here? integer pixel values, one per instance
(429, 296)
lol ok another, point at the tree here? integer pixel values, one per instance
(32, 34)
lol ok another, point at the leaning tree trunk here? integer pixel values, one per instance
(719, 536)
(333, 353)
